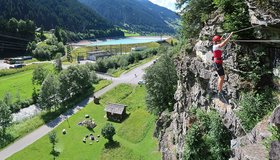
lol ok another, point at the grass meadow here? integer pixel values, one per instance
(20, 129)
(19, 84)
(125, 48)
(133, 140)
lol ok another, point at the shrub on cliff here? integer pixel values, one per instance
(207, 138)
(253, 107)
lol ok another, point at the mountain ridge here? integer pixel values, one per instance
(136, 15)
(51, 13)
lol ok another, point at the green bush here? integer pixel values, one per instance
(15, 107)
(122, 61)
(255, 65)
(48, 50)
(253, 107)
(236, 16)
(195, 13)
(207, 138)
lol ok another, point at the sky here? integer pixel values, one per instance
(170, 4)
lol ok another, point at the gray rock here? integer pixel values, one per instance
(262, 16)
(276, 72)
(274, 153)
(162, 123)
(275, 118)
(197, 87)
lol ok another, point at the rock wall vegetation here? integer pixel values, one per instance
(251, 84)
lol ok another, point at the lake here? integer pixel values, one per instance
(127, 40)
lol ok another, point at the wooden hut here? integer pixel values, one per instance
(115, 112)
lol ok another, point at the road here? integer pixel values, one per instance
(20, 144)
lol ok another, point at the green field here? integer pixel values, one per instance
(18, 130)
(21, 84)
(101, 84)
(130, 33)
(134, 137)
(82, 51)
(18, 84)
(31, 60)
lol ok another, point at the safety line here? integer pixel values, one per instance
(2, 35)
(256, 41)
(10, 42)
(244, 29)
(12, 48)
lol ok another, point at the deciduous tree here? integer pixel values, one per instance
(5, 118)
(108, 131)
(39, 75)
(161, 82)
(49, 92)
(58, 62)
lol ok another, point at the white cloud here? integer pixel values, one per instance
(170, 4)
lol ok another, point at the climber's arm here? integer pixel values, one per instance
(225, 41)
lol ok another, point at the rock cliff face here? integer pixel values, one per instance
(197, 87)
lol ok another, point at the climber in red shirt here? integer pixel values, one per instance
(218, 61)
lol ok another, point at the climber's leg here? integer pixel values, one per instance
(221, 79)
(220, 83)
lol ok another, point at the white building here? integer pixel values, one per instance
(97, 54)
(138, 48)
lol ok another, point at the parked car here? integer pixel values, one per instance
(141, 82)
(17, 66)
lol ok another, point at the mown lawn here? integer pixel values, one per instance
(137, 142)
(20, 129)
(31, 60)
(82, 51)
(101, 84)
(130, 33)
(19, 84)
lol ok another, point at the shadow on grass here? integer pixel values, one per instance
(90, 129)
(52, 119)
(6, 140)
(55, 153)
(112, 145)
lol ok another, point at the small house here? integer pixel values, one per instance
(115, 112)
(94, 55)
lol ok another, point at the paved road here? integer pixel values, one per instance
(43, 130)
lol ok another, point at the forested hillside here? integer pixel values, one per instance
(68, 14)
(72, 20)
(136, 15)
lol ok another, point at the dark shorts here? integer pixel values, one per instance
(220, 69)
